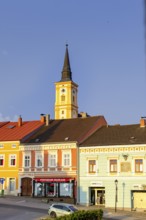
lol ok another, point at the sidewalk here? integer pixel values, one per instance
(42, 204)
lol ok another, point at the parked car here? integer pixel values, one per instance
(60, 209)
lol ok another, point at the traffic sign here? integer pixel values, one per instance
(2, 180)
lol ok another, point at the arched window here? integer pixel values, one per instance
(63, 98)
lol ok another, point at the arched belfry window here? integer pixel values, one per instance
(73, 99)
(63, 98)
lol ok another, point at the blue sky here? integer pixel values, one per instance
(107, 55)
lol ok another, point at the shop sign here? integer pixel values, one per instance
(63, 180)
(96, 184)
(139, 186)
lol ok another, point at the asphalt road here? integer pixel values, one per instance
(13, 212)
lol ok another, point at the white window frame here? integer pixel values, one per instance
(13, 145)
(141, 166)
(39, 154)
(95, 166)
(27, 155)
(108, 166)
(64, 153)
(133, 164)
(112, 166)
(1, 145)
(52, 159)
(11, 157)
(2, 156)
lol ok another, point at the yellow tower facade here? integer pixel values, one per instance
(66, 105)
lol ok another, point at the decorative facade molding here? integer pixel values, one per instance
(92, 150)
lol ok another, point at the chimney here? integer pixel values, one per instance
(143, 122)
(19, 121)
(83, 115)
(42, 118)
(47, 119)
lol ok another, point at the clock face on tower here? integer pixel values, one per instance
(63, 90)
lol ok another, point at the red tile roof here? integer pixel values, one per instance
(10, 131)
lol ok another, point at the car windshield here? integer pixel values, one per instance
(73, 208)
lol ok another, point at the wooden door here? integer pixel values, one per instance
(26, 186)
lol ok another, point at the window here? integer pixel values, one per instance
(27, 161)
(63, 98)
(52, 159)
(39, 160)
(113, 166)
(12, 160)
(39, 189)
(13, 145)
(92, 166)
(138, 165)
(1, 145)
(66, 189)
(12, 184)
(52, 189)
(1, 160)
(66, 158)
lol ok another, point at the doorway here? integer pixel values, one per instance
(97, 196)
(26, 186)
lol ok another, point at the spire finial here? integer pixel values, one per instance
(66, 72)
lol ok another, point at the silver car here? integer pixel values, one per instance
(60, 209)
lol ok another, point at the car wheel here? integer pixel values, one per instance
(53, 215)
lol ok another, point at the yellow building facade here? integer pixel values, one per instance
(9, 166)
(11, 135)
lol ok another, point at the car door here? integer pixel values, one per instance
(66, 210)
(59, 210)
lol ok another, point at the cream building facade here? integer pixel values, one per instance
(114, 162)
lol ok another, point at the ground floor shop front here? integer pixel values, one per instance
(122, 193)
(54, 189)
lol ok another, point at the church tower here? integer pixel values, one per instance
(66, 105)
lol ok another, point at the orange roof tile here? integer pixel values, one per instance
(10, 131)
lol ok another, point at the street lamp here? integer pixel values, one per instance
(116, 194)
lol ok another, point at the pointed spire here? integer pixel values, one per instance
(66, 71)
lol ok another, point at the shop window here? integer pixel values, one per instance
(39, 189)
(138, 165)
(27, 161)
(1, 160)
(92, 166)
(66, 189)
(12, 160)
(52, 189)
(113, 166)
